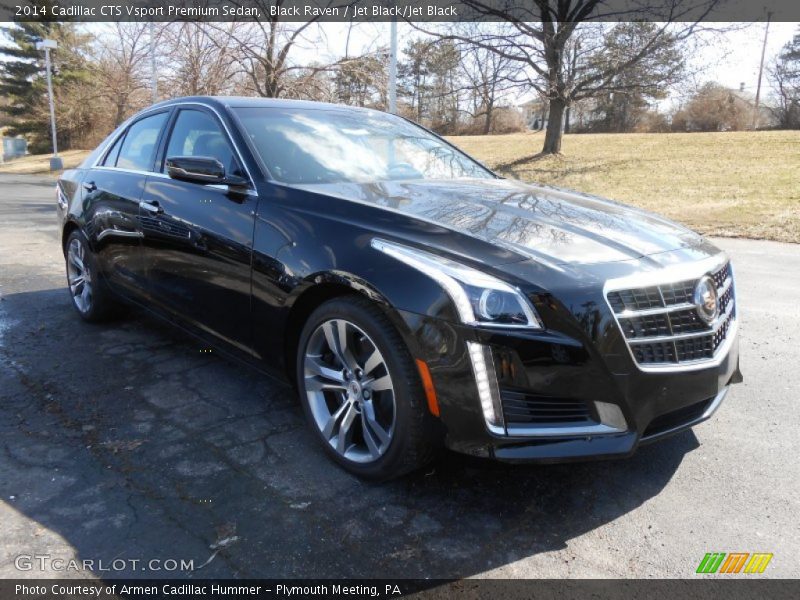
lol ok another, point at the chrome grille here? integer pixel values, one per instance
(661, 325)
(678, 293)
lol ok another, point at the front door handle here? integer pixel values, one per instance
(89, 186)
(151, 207)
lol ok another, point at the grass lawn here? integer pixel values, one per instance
(742, 184)
(40, 163)
(738, 184)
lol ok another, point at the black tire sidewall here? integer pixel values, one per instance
(407, 398)
(101, 304)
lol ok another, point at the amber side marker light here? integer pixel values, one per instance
(427, 384)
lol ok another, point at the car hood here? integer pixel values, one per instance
(536, 221)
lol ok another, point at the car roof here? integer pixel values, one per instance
(258, 102)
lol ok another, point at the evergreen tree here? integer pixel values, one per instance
(427, 77)
(630, 92)
(785, 76)
(20, 73)
(23, 83)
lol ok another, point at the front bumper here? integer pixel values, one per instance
(598, 446)
(552, 367)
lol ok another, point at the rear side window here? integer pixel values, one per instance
(139, 146)
(111, 157)
(197, 133)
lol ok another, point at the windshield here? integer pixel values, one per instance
(305, 146)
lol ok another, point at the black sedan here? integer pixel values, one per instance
(413, 297)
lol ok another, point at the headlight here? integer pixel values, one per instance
(480, 299)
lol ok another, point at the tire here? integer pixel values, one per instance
(89, 293)
(379, 443)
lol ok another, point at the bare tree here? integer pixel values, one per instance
(488, 75)
(310, 82)
(265, 48)
(541, 31)
(121, 58)
(362, 80)
(203, 59)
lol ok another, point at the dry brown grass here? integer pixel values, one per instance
(40, 163)
(739, 184)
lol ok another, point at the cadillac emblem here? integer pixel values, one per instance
(705, 299)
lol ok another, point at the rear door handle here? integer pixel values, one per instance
(151, 207)
(89, 186)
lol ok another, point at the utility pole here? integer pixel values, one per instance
(153, 73)
(393, 68)
(55, 162)
(761, 73)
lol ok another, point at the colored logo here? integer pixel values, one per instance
(735, 562)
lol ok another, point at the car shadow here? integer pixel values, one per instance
(132, 441)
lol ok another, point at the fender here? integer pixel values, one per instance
(339, 278)
(68, 205)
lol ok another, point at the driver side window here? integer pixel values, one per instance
(197, 133)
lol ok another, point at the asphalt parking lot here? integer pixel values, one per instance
(126, 441)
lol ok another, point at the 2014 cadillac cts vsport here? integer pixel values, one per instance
(413, 297)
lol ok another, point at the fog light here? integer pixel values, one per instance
(488, 392)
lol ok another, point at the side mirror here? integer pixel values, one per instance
(199, 169)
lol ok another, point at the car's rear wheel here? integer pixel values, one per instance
(90, 296)
(361, 392)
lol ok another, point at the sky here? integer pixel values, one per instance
(737, 60)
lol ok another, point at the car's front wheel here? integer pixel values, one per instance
(90, 296)
(361, 391)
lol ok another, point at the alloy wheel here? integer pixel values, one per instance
(349, 390)
(78, 276)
